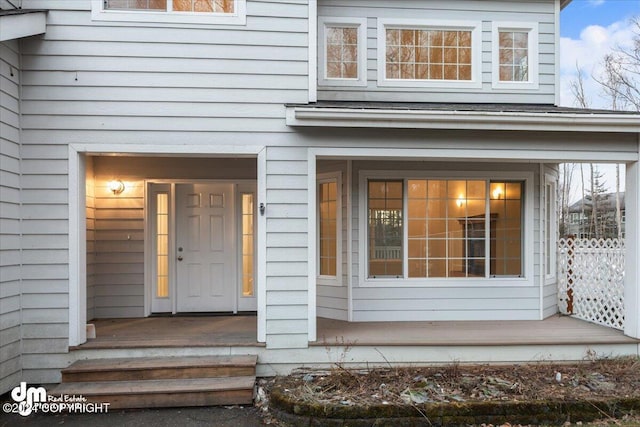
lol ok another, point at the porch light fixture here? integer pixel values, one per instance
(116, 186)
(497, 193)
(460, 201)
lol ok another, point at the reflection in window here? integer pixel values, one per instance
(328, 203)
(342, 52)
(247, 244)
(514, 56)
(385, 228)
(428, 54)
(206, 6)
(162, 245)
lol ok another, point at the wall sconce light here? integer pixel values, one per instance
(116, 186)
(460, 201)
(497, 193)
(262, 209)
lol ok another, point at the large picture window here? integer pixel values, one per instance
(455, 228)
(428, 53)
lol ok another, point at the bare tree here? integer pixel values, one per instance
(620, 80)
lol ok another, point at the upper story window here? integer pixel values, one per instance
(421, 53)
(342, 51)
(515, 55)
(206, 6)
(171, 11)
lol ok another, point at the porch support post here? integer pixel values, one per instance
(632, 243)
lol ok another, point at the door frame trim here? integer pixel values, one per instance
(148, 238)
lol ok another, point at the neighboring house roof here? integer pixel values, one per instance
(607, 202)
(18, 23)
(541, 117)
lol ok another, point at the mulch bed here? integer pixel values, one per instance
(458, 394)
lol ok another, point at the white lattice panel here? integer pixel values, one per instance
(591, 280)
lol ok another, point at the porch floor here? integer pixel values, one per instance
(554, 330)
(228, 331)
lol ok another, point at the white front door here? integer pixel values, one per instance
(206, 269)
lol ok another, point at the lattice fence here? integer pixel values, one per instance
(591, 280)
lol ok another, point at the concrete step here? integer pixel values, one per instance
(156, 368)
(163, 393)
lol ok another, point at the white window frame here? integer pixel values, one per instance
(476, 52)
(322, 179)
(238, 17)
(527, 278)
(361, 25)
(550, 234)
(532, 29)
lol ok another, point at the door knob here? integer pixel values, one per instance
(180, 258)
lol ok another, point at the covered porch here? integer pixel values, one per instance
(230, 331)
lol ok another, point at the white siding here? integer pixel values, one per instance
(486, 11)
(10, 257)
(287, 283)
(104, 82)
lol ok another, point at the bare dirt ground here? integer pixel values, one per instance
(611, 378)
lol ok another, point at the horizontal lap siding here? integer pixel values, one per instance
(287, 225)
(442, 302)
(541, 12)
(10, 256)
(106, 82)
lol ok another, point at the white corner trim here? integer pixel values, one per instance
(556, 51)
(361, 25)
(313, 50)
(476, 52)
(77, 250)
(461, 120)
(239, 17)
(16, 26)
(533, 59)
(312, 238)
(261, 248)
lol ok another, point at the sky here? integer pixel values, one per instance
(588, 30)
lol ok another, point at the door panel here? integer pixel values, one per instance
(206, 247)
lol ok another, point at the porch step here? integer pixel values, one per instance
(157, 368)
(151, 382)
(163, 393)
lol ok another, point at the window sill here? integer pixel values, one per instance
(444, 282)
(440, 84)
